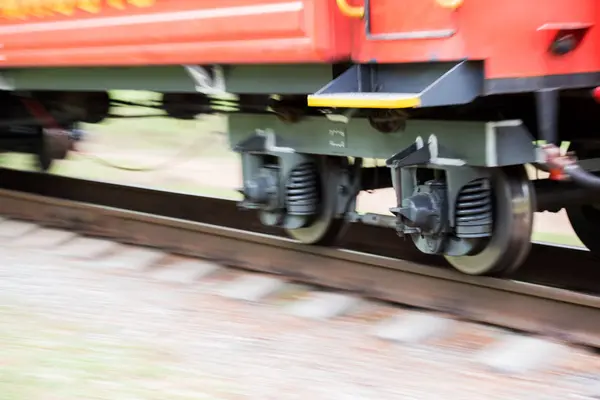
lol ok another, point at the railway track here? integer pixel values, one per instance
(554, 295)
(547, 315)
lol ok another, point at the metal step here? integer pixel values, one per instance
(405, 85)
(365, 100)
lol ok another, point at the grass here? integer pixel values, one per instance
(44, 358)
(86, 168)
(41, 355)
(557, 238)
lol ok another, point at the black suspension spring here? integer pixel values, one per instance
(302, 190)
(474, 210)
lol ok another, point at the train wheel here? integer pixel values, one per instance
(54, 145)
(513, 208)
(326, 228)
(585, 220)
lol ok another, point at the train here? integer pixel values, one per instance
(461, 99)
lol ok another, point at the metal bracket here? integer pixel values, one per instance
(205, 82)
(6, 83)
(420, 153)
(263, 141)
(344, 116)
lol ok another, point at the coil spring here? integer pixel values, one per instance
(302, 190)
(474, 213)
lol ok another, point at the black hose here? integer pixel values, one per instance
(582, 177)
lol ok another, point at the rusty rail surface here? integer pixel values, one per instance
(568, 315)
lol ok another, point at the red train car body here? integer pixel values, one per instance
(178, 32)
(512, 36)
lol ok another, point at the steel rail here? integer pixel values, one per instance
(559, 313)
(547, 265)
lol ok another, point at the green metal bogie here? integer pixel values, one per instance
(476, 144)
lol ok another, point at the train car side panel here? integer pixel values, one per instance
(138, 32)
(512, 36)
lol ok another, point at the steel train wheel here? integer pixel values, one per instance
(54, 145)
(585, 221)
(326, 229)
(514, 205)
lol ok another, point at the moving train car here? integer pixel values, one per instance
(454, 95)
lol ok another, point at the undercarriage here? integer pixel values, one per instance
(460, 163)
(462, 188)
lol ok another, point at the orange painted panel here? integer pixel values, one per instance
(133, 32)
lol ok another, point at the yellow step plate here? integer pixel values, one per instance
(365, 100)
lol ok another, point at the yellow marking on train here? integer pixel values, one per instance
(118, 4)
(36, 9)
(40, 9)
(10, 9)
(365, 100)
(142, 3)
(63, 7)
(91, 6)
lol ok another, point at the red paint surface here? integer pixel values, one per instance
(504, 33)
(317, 33)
